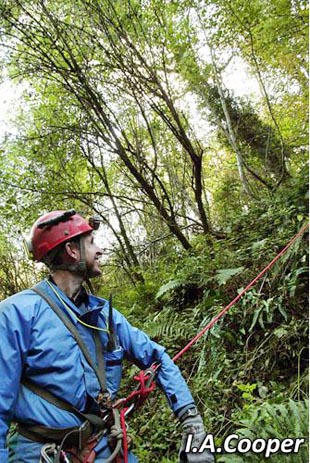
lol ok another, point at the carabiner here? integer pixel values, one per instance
(48, 451)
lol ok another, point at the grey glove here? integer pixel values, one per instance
(193, 436)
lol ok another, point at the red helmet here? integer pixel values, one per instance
(54, 228)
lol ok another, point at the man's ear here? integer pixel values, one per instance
(72, 250)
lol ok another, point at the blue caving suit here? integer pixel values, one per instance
(35, 343)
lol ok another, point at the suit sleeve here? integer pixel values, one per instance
(143, 352)
(15, 328)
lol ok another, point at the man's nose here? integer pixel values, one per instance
(99, 251)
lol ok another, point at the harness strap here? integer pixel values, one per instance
(76, 437)
(99, 367)
(62, 404)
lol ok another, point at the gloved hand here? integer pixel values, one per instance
(193, 425)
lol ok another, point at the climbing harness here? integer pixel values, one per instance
(99, 367)
(75, 440)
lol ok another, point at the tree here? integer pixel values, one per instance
(111, 130)
(68, 61)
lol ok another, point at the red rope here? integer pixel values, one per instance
(124, 429)
(141, 394)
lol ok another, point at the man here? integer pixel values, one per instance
(61, 352)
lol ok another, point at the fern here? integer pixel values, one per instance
(224, 274)
(167, 287)
(274, 421)
(168, 324)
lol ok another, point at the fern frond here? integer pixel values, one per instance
(169, 324)
(276, 421)
(167, 287)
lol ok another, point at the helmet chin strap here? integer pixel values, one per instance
(79, 267)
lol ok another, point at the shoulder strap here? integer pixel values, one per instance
(98, 369)
(61, 403)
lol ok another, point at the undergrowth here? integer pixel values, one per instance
(251, 368)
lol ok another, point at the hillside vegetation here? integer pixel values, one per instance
(183, 126)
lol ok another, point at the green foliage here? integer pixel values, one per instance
(167, 287)
(255, 359)
(16, 273)
(223, 275)
(279, 421)
(126, 113)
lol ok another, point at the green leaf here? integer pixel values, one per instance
(255, 317)
(280, 332)
(259, 244)
(223, 275)
(167, 287)
(283, 312)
